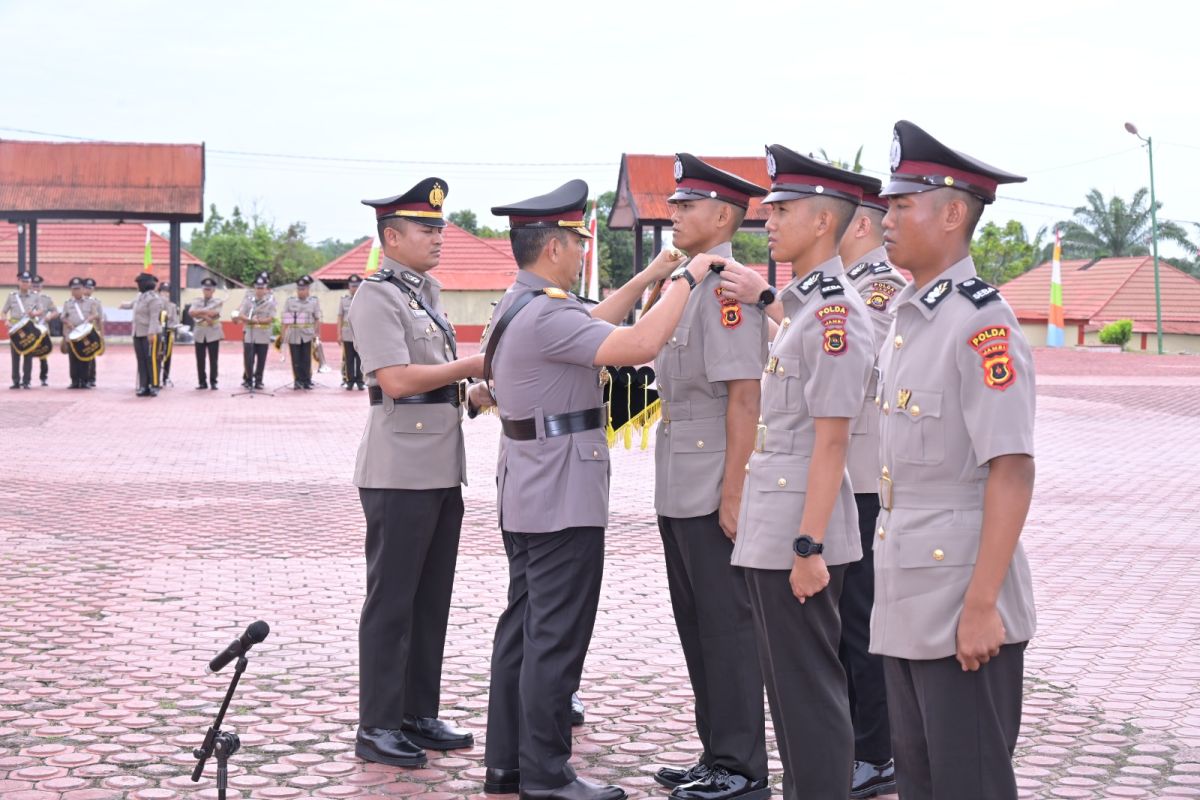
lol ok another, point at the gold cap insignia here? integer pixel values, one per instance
(437, 195)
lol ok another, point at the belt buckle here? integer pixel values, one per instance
(462, 392)
(760, 438)
(886, 491)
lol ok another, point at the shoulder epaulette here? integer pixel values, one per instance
(880, 267)
(554, 292)
(856, 273)
(381, 276)
(810, 282)
(978, 292)
(937, 293)
(831, 287)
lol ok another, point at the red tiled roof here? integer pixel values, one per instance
(468, 263)
(103, 180)
(111, 254)
(1108, 290)
(646, 181)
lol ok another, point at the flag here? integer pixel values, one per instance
(147, 258)
(373, 258)
(593, 280)
(1055, 324)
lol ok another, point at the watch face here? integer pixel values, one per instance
(767, 297)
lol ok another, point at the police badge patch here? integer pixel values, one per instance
(991, 344)
(833, 318)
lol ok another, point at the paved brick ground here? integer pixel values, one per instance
(137, 536)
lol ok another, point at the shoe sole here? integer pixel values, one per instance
(874, 791)
(666, 784)
(369, 755)
(501, 788)
(464, 743)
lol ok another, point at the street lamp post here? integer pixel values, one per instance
(1129, 126)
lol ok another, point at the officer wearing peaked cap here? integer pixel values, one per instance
(542, 361)
(48, 312)
(206, 314)
(708, 379)
(78, 310)
(351, 363)
(798, 529)
(301, 319)
(410, 469)
(20, 304)
(89, 286)
(257, 314)
(147, 323)
(953, 597)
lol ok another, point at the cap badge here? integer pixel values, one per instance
(948, 180)
(437, 195)
(819, 189)
(771, 172)
(895, 155)
(678, 169)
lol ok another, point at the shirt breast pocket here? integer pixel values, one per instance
(677, 354)
(785, 387)
(919, 435)
(427, 344)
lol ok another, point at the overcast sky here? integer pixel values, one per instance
(506, 100)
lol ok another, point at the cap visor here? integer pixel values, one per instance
(906, 187)
(779, 197)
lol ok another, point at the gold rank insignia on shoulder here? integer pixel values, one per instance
(555, 292)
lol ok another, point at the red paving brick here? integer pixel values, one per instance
(138, 536)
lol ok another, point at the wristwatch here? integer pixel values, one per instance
(767, 297)
(682, 272)
(804, 546)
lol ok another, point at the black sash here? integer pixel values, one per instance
(494, 339)
(441, 323)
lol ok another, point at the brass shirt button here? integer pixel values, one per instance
(420, 426)
(782, 482)
(595, 454)
(747, 466)
(880, 531)
(915, 410)
(938, 555)
(700, 443)
(887, 409)
(899, 341)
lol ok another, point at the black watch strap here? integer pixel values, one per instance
(683, 272)
(767, 297)
(804, 546)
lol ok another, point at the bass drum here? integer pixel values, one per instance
(27, 335)
(85, 342)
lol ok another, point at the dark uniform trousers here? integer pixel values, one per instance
(166, 350)
(90, 370)
(412, 550)
(864, 670)
(537, 657)
(254, 361)
(712, 614)
(806, 685)
(208, 350)
(78, 369)
(18, 362)
(954, 732)
(301, 361)
(44, 368)
(351, 364)
(145, 367)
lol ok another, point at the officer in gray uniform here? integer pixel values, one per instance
(48, 312)
(798, 527)
(207, 333)
(410, 470)
(19, 304)
(953, 595)
(708, 380)
(76, 311)
(166, 337)
(351, 364)
(147, 322)
(257, 314)
(301, 317)
(89, 286)
(542, 356)
(877, 282)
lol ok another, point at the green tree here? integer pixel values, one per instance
(1001, 254)
(465, 218)
(750, 247)
(1115, 228)
(486, 232)
(856, 166)
(332, 248)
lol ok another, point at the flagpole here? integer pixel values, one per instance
(1055, 322)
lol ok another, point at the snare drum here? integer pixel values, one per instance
(85, 342)
(28, 335)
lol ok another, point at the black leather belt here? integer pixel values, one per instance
(451, 394)
(556, 424)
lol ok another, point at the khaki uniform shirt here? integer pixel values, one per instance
(301, 318)
(19, 305)
(713, 343)
(819, 366)
(877, 282)
(344, 318)
(147, 314)
(418, 446)
(76, 312)
(46, 304)
(204, 331)
(257, 317)
(956, 390)
(171, 319)
(544, 365)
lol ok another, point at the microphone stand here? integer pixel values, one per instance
(220, 743)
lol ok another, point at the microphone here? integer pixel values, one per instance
(238, 647)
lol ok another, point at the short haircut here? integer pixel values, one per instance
(396, 223)
(842, 211)
(876, 215)
(974, 208)
(528, 243)
(739, 216)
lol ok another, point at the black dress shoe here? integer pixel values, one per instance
(45, 382)
(213, 386)
(578, 789)
(91, 384)
(15, 386)
(576, 709)
(361, 387)
(436, 734)
(721, 784)
(387, 747)
(671, 777)
(259, 385)
(500, 781)
(143, 393)
(202, 386)
(25, 385)
(871, 780)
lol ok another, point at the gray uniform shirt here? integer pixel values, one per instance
(76, 312)
(171, 319)
(957, 390)
(714, 342)
(204, 331)
(544, 364)
(19, 305)
(344, 318)
(147, 313)
(301, 318)
(877, 282)
(406, 446)
(257, 316)
(819, 366)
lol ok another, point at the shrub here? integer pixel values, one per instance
(1118, 332)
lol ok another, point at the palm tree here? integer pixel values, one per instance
(837, 162)
(1116, 228)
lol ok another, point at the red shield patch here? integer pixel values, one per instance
(731, 315)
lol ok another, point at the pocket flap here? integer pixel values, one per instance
(425, 418)
(680, 337)
(698, 435)
(786, 366)
(920, 403)
(941, 547)
(596, 451)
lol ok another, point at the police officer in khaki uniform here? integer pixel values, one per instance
(351, 364)
(207, 333)
(798, 528)
(953, 596)
(49, 312)
(147, 323)
(76, 311)
(708, 380)
(410, 470)
(166, 337)
(301, 315)
(257, 314)
(18, 305)
(89, 286)
(542, 356)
